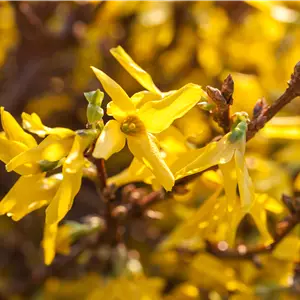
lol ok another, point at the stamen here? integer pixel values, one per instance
(132, 125)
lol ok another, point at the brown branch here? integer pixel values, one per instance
(101, 170)
(268, 112)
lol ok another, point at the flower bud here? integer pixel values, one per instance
(94, 111)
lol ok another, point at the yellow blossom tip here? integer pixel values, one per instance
(94, 69)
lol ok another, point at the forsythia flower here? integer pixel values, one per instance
(33, 190)
(228, 154)
(172, 143)
(63, 199)
(139, 117)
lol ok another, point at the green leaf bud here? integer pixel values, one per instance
(94, 111)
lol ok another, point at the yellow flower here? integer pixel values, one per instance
(33, 190)
(172, 143)
(20, 151)
(139, 117)
(228, 154)
(63, 199)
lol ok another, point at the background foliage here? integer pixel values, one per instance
(46, 49)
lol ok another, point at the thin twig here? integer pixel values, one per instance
(102, 174)
(269, 112)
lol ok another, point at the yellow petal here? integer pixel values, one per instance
(159, 115)
(113, 110)
(49, 240)
(58, 208)
(34, 124)
(140, 98)
(234, 213)
(200, 159)
(64, 239)
(192, 228)
(134, 70)
(259, 216)
(72, 173)
(28, 194)
(14, 131)
(144, 148)
(230, 183)
(63, 199)
(115, 92)
(195, 126)
(52, 148)
(136, 172)
(172, 141)
(246, 188)
(10, 149)
(110, 141)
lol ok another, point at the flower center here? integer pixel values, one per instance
(132, 125)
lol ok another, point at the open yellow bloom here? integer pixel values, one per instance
(212, 221)
(58, 192)
(20, 151)
(228, 154)
(33, 190)
(172, 143)
(63, 199)
(139, 117)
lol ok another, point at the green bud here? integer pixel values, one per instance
(94, 111)
(94, 97)
(238, 132)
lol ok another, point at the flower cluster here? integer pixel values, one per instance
(34, 189)
(145, 121)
